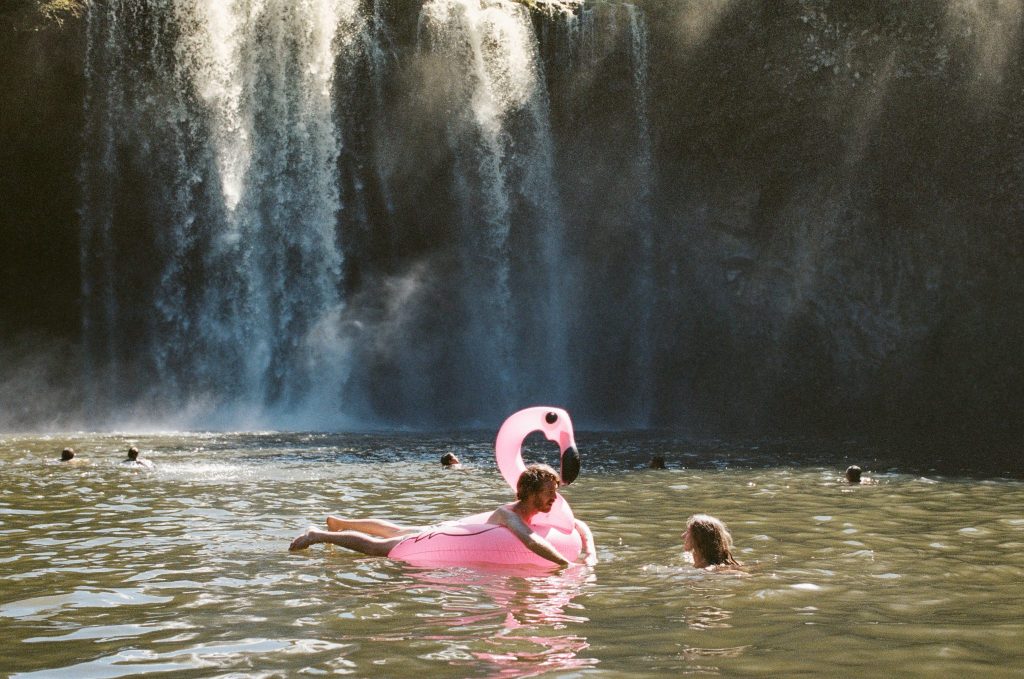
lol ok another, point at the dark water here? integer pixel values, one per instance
(110, 572)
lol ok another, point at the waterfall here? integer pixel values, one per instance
(96, 174)
(352, 213)
(225, 112)
(301, 213)
(645, 290)
(603, 91)
(511, 230)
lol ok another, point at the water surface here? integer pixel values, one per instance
(109, 571)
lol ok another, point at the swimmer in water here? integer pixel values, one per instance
(69, 455)
(133, 459)
(535, 492)
(853, 476)
(657, 462)
(709, 541)
(450, 461)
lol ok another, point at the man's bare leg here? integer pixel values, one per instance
(378, 527)
(356, 541)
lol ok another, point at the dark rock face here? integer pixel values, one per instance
(854, 171)
(830, 221)
(40, 137)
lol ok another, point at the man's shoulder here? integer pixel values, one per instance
(502, 515)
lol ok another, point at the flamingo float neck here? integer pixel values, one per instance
(556, 426)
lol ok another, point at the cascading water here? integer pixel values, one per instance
(645, 292)
(597, 45)
(250, 251)
(226, 112)
(510, 226)
(276, 149)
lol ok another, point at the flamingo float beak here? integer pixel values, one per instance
(570, 465)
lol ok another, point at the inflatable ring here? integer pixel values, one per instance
(472, 540)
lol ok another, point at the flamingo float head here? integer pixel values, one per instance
(556, 426)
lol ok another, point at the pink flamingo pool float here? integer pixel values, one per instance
(472, 540)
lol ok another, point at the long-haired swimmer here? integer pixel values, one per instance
(709, 541)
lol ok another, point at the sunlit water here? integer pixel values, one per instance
(108, 571)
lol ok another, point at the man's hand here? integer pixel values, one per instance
(588, 554)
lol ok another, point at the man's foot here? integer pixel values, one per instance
(308, 538)
(335, 524)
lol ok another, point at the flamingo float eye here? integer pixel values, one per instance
(551, 418)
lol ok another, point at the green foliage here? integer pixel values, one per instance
(34, 15)
(551, 6)
(58, 10)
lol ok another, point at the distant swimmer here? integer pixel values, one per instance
(657, 462)
(69, 455)
(450, 461)
(133, 459)
(853, 476)
(710, 543)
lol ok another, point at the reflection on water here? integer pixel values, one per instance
(108, 571)
(518, 618)
(502, 625)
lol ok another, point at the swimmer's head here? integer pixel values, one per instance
(449, 460)
(534, 479)
(657, 462)
(853, 474)
(708, 537)
(67, 454)
(133, 453)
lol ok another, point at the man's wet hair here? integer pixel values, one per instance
(67, 454)
(853, 474)
(534, 479)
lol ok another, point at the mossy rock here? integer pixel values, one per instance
(35, 15)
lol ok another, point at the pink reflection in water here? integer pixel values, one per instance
(533, 605)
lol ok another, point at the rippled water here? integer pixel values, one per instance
(108, 571)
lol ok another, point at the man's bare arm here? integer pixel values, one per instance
(533, 542)
(589, 554)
